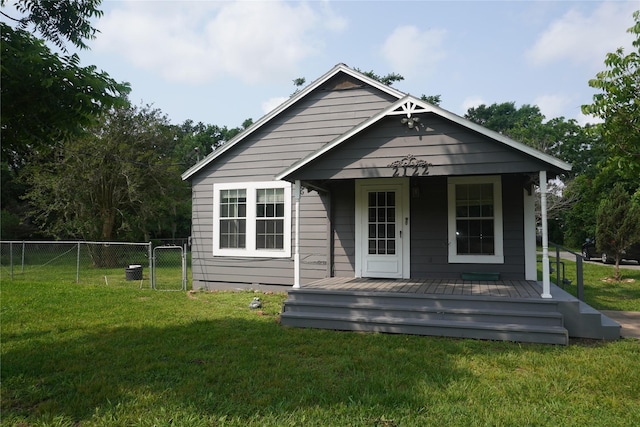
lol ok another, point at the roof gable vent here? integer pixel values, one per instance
(343, 82)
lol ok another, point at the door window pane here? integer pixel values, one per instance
(382, 222)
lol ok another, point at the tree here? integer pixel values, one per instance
(117, 182)
(618, 224)
(617, 104)
(388, 79)
(195, 141)
(59, 20)
(614, 145)
(431, 99)
(47, 98)
(522, 124)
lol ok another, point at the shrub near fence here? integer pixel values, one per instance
(79, 262)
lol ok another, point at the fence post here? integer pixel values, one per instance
(558, 283)
(151, 266)
(11, 259)
(78, 265)
(580, 284)
(24, 246)
(184, 267)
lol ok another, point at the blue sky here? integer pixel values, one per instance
(223, 62)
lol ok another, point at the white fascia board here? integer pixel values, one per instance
(423, 106)
(292, 100)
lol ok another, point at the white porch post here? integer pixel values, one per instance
(546, 285)
(296, 248)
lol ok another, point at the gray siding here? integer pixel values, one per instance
(429, 226)
(429, 232)
(344, 228)
(450, 149)
(314, 121)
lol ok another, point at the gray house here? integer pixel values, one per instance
(378, 211)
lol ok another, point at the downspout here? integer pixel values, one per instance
(546, 285)
(296, 246)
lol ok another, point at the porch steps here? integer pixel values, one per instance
(485, 317)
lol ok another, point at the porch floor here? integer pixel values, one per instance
(500, 288)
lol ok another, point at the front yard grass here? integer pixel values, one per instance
(97, 355)
(600, 290)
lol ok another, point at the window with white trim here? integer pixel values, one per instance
(475, 220)
(252, 219)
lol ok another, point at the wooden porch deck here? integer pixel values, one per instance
(500, 288)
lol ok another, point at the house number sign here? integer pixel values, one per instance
(409, 166)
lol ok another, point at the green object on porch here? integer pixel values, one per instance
(480, 276)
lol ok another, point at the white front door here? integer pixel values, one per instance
(382, 228)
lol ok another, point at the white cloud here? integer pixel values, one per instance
(471, 102)
(585, 39)
(412, 52)
(552, 106)
(272, 103)
(201, 41)
(583, 119)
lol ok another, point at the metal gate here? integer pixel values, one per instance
(169, 272)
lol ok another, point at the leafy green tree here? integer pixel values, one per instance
(57, 20)
(117, 182)
(387, 79)
(431, 99)
(524, 124)
(47, 97)
(195, 141)
(617, 103)
(613, 150)
(618, 225)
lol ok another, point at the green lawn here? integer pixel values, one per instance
(600, 291)
(85, 355)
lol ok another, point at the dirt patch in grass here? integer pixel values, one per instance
(612, 280)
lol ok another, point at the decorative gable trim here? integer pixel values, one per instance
(410, 106)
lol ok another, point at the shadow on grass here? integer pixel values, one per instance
(233, 367)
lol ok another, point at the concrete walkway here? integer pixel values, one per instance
(629, 320)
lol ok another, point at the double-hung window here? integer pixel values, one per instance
(475, 220)
(252, 219)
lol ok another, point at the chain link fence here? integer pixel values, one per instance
(108, 263)
(168, 272)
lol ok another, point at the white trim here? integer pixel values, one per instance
(250, 250)
(530, 260)
(498, 256)
(404, 225)
(296, 251)
(546, 280)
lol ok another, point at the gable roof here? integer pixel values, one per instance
(339, 68)
(409, 105)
